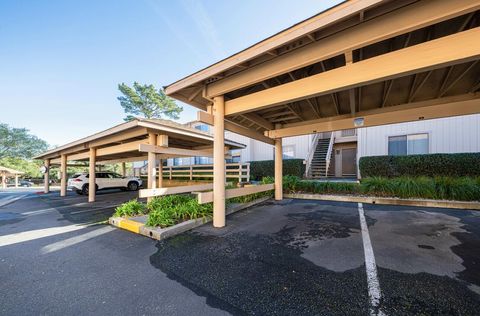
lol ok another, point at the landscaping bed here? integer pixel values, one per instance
(431, 188)
(172, 214)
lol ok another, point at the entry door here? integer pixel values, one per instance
(349, 162)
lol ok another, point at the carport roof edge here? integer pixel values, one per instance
(154, 124)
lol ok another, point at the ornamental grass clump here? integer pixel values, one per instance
(130, 208)
(173, 209)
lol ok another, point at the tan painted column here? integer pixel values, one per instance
(63, 175)
(278, 169)
(124, 169)
(46, 177)
(218, 162)
(91, 174)
(162, 140)
(16, 180)
(160, 173)
(4, 181)
(152, 164)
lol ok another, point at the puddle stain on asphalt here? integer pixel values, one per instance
(262, 275)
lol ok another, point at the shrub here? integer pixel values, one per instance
(265, 168)
(130, 208)
(440, 188)
(432, 165)
(172, 209)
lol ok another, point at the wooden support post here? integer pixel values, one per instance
(16, 180)
(160, 173)
(162, 140)
(46, 176)
(124, 169)
(91, 176)
(63, 175)
(152, 164)
(170, 173)
(191, 173)
(240, 172)
(4, 181)
(278, 169)
(219, 162)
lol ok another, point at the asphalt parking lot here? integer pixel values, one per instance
(295, 257)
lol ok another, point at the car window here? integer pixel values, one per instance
(116, 175)
(76, 175)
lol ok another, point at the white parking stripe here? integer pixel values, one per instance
(75, 240)
(9, 200)
(36, 234)
(374, 291)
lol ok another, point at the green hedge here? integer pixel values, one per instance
(437, 188)
(432, 165)
(265, 168)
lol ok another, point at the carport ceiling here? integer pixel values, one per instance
(121, 143)
(358, 57)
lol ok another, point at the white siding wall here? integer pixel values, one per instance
(447, 135)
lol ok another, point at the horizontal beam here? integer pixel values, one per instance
(124, 135)
(144, 193)
(425, 110)
(207, 197)
(175, 151)
(442, 52)
(401, 21)
(206, 118)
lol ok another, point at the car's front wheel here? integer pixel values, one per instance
(132, 186)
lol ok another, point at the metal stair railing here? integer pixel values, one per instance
(313, 148)
(329, 153)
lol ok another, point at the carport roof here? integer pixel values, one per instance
(8, 171)
(180, 136)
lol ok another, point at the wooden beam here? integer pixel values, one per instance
(121, 137)
(174, 190)
(449, 50)
(424, 110)
(206, 118)
(207, 197)
(174, 151)
(401, 21)
(257, 119)
(219, 216)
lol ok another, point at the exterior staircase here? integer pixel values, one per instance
(319, 160)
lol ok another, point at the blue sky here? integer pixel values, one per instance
(61, 60)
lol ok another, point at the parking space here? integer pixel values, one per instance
(291, 257)
(307, 257)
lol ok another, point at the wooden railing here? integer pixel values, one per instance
(240, 171)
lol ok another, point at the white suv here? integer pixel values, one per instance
(103, 180)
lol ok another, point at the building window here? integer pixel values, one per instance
(288, 152)
(201, 160)
(414, 144)
(348, 132)
(202, 127)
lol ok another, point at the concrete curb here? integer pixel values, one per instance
(137, 224)
(387, 201)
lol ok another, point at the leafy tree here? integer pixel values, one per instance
(30, 167)
(19, 143)
(146, 101)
